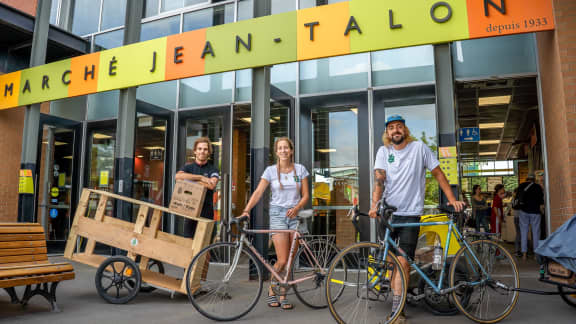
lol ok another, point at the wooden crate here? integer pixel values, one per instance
(148, 242)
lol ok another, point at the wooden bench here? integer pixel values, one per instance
(24, 262)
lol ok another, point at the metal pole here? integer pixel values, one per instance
(26, 202)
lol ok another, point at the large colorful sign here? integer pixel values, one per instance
(342, 28)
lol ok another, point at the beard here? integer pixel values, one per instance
(397, 141)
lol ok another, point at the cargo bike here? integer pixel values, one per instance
(120, 278)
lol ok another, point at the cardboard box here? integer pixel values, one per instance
(559, 274)
(188, 198)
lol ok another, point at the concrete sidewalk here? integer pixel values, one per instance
(80, 303)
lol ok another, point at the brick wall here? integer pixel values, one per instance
(27, 6)
(557, 55)
(11, 122)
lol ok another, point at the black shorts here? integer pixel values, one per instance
(407, 236)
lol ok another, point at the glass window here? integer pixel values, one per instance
(245, 9)
(206, 90)
(103, 105)
(283, 77)
(100, 168)
(195, 2)
(495, 56)
(403, 65)
(151, 8)
(86, 15)
(54, 12)
(209, 17)
(160, 28)
(314, 3)
(108, 40)
(70, 108)
(280, 6)
(334, 73)
(161, 94)
(113, 14)
(243, 85)
(167, 5)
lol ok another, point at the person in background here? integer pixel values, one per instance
(516, 214)
(497, 216)
(480, 208)
(531, 199)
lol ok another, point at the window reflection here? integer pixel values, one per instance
(103, 105)
(334, 73)
(86, 15)
(403, 65)
(284, 76)
(160, 28)
(209, 17)
(314, 3)
(206, 90)
(244, 85)
(151, 8)
(245, 9)
(280, 6)
(162, 95)
(108, 40)
(113, 13)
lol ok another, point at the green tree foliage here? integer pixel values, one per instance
(432, 196)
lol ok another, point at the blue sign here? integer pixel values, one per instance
(470, 134)
(53, 213)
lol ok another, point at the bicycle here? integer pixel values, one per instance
(231, 282)
(482, 277)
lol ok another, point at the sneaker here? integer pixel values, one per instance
(518, 254)
(401, 319)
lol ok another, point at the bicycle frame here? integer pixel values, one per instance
(387, 242)
(243, 241)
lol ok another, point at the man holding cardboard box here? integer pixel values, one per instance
(203, 173)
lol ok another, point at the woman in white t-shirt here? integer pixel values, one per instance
(290, 192)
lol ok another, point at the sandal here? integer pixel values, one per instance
(286, 305)
(273, 301)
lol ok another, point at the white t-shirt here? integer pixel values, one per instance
(289, 196)
(406, 175)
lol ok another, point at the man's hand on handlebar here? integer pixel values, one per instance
(373, 213)
(244, 213)
(458, 205)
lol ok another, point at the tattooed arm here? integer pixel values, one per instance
(379, 180)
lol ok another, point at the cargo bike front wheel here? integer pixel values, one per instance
(118, 280)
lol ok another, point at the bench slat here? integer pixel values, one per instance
(36, 280)
(21, 237)
(28, 271)
(21, 229)
(23, 258)
(12, 266)
(25, 251)
(22, 244)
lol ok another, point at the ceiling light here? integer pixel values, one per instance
(140, 156)
(354, 110)
(153, 148)
(69, 157)
(219, 143)
(491, 125)
(487, 153)
(246, 119)
(272, 121)
(160, 128)
(328, 150)
(497, 100)
(488, 142)
(101, 136)
(276, 117)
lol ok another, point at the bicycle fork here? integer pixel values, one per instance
(240, 246)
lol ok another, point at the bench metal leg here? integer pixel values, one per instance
(12, 292)
(43, 290)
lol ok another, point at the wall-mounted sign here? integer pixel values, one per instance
(156, 155)
(342, 28)
(53, 213)
(103, 181)
(26, 182)
(54, 192)
(469, 134)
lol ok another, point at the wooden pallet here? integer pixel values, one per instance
(137, 239)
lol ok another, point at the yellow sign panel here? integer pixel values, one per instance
(61, 179)
(450, 168)
(103, 178)
(55, 192)
(26, 183)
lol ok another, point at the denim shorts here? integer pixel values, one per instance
(279, 221)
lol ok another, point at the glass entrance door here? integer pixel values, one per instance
(214, 124)
(57, 185)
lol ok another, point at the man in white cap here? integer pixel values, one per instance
(400, 168)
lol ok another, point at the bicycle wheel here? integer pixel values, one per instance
(484, 297)
(359, 285)
(118, 280)
(568, 295)
(224, 286)
(313, 263)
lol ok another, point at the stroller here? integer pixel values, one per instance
(558, 254)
